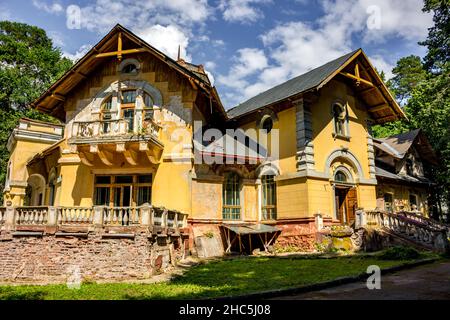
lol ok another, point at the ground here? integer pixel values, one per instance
(428, 282)
(219, 278)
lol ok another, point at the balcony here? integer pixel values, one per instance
(97, 141)
(103, 220)
(93, 131)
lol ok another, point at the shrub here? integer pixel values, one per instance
(400, 253)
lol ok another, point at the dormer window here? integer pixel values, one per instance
(340, 120)
(409, 167)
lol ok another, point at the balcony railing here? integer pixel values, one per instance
(111, 128)
(157, 219)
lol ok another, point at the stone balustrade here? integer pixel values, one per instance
(408, 226)
(47, 218)
(110, 128)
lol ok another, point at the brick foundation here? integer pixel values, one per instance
(53, 259)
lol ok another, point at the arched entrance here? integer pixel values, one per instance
(345, 195)
(35, 190)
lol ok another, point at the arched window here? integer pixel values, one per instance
(340, 177)
(269, 197)
(267, 124)
(231, 208)
(340, 120)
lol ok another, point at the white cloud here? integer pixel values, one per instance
(382, 65)
(296, 47)
(57, 38)
(244, 11)
(79, 53)
(54, 8)
(102, 15)
(167, 39)
(247, 62)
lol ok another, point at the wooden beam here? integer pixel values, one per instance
(366, 90)
(351, 76)
(58, 97)
(119, 47)
(121, 53)
(379, 107)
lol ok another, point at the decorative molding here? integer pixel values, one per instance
(345, 154)
(370, 153)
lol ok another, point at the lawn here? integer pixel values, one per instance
(213, 279)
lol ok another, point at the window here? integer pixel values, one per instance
(269, 198)
(106, 115)
(107, 104)
(123, 190)
(267, 124)
(129, 96)
(339, 119)
(340, 177)
(128, 115)
(388, 199)
(413, 203)
(130, 68)
(231, 197)
(409, 167)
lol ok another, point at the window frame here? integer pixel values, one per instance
(134, 184)
(268, 210)
(232, 211)
(345, 131)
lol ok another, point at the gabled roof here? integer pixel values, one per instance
(382, 173)
(316, 79)
(291, 87)
(52, 98)
(398, 145)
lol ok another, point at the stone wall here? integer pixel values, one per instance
(58, 259)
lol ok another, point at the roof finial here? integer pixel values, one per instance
(179, 52)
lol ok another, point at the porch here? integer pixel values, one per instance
(73, 221)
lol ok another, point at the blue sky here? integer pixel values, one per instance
(247, 46)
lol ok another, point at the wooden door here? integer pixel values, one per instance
(352, 204)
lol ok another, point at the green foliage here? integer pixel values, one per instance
(213, 279)
(399, 253)
(408, 74)
(29, 64)
(423, 90)
(438, 42)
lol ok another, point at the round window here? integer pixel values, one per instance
(267, 124)
(340, 177)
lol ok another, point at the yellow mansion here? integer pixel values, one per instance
(135, 129)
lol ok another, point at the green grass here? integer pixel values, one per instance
(213, 279)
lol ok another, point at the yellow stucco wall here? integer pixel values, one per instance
(322, 124)
(401, 195)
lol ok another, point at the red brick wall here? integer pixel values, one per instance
(52, 259)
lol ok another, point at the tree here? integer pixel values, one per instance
(438, 40)
(29, 64)
(408, 73)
